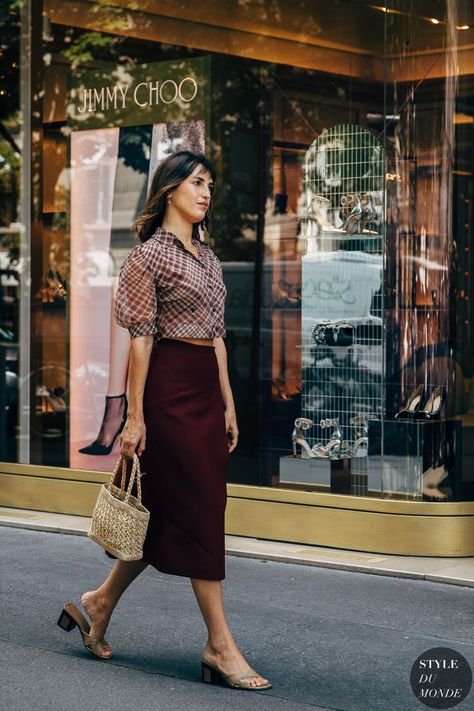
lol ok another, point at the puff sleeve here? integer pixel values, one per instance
(136, 301)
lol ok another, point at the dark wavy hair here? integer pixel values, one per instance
(171, 172)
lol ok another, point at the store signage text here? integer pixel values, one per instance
(337, 289)
(146, 93)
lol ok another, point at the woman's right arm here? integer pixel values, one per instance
(134, 432)
(136, 309)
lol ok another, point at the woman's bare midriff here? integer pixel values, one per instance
(197, 341)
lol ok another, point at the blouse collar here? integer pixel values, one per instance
(170, 237)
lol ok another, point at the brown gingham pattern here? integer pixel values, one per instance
(164, 290)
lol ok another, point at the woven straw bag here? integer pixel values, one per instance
(119, 520)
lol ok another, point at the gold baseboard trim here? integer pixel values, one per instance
(38, 493)
(345, 501)
(372, 532)
(312, 518)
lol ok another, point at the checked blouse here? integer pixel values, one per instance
(164, 290)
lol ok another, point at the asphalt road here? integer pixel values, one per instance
(327, 639)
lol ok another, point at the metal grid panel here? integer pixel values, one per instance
(342, 275)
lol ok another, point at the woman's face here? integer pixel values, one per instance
(193, 196)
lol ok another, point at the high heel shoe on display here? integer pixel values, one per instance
(336, 448)
(360, 447)
(413, 404)
(113, 422)
(347, 203)
(301, 423)
(433, 405)
(238, 680)
(71, 617)
(318, 215)
(352, 223)
(369, 214)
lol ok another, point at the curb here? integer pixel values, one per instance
(237, 548)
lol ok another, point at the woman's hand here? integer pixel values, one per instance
(231, 428)
(133, 434)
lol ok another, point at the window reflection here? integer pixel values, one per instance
(343, 141)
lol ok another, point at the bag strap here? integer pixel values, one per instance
(134, 474)
(112, 477)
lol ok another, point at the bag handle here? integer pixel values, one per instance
(135, 473)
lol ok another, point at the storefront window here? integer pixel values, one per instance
(11, 139)
(428, 275)
(342, 217)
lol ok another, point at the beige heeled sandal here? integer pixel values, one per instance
(71, 617)
(239, 680)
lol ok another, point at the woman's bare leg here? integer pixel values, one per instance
(99, 604)
(221, 648)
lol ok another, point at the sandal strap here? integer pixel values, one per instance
(95, 645)
(236, 677)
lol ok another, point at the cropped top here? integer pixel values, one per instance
(164, 290)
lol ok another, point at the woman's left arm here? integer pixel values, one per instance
(230, 415)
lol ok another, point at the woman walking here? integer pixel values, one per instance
(181, 419)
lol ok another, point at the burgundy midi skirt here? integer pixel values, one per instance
(184, 464)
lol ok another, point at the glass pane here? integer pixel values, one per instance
(11, 232)
(342, 217)
(425, 370)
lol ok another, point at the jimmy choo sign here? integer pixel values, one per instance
(146, 93)
(165, 91)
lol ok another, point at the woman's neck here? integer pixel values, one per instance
(178, 226)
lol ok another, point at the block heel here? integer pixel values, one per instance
(66, 622)
(72, 617)
(238, 680)
(208, 675)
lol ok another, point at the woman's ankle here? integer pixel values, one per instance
(219, 644)
(102, 600)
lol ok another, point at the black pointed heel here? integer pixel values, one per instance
(434, 404)
(413, 404)
(96, 447)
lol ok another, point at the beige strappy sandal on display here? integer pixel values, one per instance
(239, 680)
(71, 617)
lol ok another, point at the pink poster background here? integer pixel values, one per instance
(95, 209)
(93, 165)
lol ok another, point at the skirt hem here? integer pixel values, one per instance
(169, 570)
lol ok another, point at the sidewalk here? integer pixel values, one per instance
(329, 640)
(454, 571)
